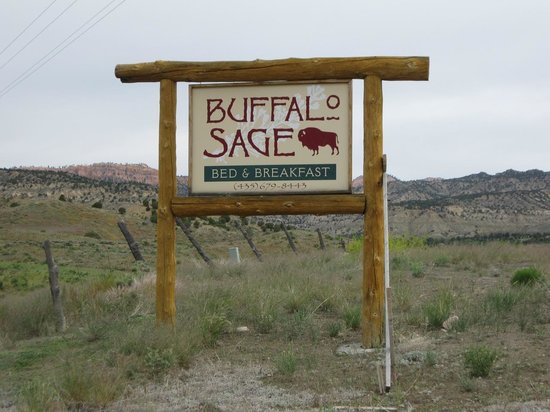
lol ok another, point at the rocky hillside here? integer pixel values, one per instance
(478, 205)
(113, 172)
(45, 184)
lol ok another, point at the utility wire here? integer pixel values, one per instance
(39, 33)
(41, 62)
(57, 47)
(26, 28)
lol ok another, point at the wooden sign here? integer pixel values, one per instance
(233, 134)
(270, 138)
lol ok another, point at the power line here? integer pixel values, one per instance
(26, 28)
(56, 47)
(41, 62)
(39, 33)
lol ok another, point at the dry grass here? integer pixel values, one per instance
(298, 309)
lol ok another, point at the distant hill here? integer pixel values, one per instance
(478, 205)
(48, 184)
(113, 172)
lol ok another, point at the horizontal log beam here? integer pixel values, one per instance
(268, 205)
(386, 68)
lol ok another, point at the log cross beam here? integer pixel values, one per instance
(372, 70)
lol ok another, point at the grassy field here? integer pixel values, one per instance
(297, 310)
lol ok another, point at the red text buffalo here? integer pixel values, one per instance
(313, 138)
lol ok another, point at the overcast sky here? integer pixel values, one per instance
(485, 108)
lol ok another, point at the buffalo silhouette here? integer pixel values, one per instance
(313, 138)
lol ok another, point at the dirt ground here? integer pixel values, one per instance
(250, 382)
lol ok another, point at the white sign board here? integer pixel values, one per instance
(270, 138)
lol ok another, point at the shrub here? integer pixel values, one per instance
(438, 311)
(122, 210)
(37, 395)
(500, 301)
(87, 388)
(299, 323)
(159, 361)
(417, 269)
(265, 318)
(352, 317)
(430, 360)
(354, 246)
(21, 320)
(92, 234)
(334, 329)
(62, 198)
(526, 276)
(212, 326)
(286, 363)
(399, 243)
(400, 262)
(442, 261)
(479, 360)
(98, 205)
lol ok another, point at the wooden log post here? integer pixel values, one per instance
(166, 228)
(319, 68)
(289, 238)
(249, 240)
(54, 288)
(132, 244)
(257, 205)
(321, 241)
(193, 241)
(373, 235)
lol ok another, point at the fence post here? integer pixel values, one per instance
(54, 288)
(249, 240)
(132, 244)
(193, 241)
(289, 238)
(321, 241)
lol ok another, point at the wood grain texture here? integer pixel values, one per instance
(268, 205)
(386, 68)
(166, 229)
(373, 235)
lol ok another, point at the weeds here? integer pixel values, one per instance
(498, 302)
(417, 269)
(264, 319)
(334, 329)
(438, 311)
(301, 299)
(90, 387)
(430, 360)
(212, 325)
(352, 317)
(159, 360)
(479, 360)
(39, 396)
(526, 276)
(286, 363)
(21, 320)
